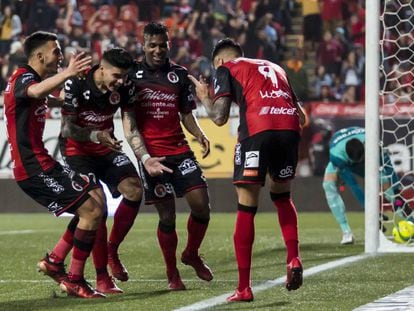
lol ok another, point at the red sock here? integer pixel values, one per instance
(168, 240)
(196, 228)
(288, 220)
(64, 245)
(123, 220)
(82, 246)
(100, 249)
(243, 243)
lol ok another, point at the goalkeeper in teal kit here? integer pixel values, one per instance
(346, 159)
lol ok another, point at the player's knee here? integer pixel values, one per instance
(132, 190)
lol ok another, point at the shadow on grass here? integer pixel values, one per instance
(330, 251)
(55, 302)
(251, 306)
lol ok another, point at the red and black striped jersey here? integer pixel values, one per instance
(161, 95)
(25, 121)
(263, 93)
(93, 110)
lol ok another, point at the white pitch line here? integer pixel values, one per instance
(402, 300)
(11, 232)
(218, 300)
(129, 281)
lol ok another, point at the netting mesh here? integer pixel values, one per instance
(396, 119)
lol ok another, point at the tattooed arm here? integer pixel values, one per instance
(136, 142)
(70, 129)
(191, 124)
(219, 110)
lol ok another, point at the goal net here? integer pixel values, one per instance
(396, 125)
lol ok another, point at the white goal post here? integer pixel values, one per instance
(372, 26)
(389, 110)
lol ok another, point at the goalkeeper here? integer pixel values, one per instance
(346, 159)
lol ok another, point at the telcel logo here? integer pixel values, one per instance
(277, 110)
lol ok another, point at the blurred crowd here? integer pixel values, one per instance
(327, 64)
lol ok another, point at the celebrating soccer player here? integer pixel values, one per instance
(37, 173)
(163, 99)
(88, 146)
(269, 134)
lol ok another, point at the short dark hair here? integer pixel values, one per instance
(225, 44)
(154, 28)
(36, 40)
(118, 57)
(355, 150)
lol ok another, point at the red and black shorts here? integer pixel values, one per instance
(110, 168)
(270, 152)
(186, 176)
(59, 189)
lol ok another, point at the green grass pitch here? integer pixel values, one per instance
(24, 238)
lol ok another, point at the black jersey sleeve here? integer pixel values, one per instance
(222, 83)
(72, 91)
(128, 95)
(22, 83)
(187, 102)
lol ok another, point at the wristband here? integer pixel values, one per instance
(93, 136)
(145, 157)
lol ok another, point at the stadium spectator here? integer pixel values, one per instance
(346, 160)
(42, 16)
(37, 173)
(10, 29)
(322, 78)
(164, 99)
(88, 145)
(312, 22)
(329, 54)
(298, 77)
(331, 14)
(267, 143)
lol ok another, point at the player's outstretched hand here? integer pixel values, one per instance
(78, 63)
(205, 145)
(201, 87)
(154, 166)
(106, 139)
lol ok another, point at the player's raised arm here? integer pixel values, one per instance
(77, 64)
(135, 140)
(218, 110)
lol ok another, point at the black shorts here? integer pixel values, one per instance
(273, 152)
(59, 189)
(110, 168)
(186, 176)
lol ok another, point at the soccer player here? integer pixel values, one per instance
(88, 146)
(164, 99)
(269, 134)
(346, 159)
(36, 172)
